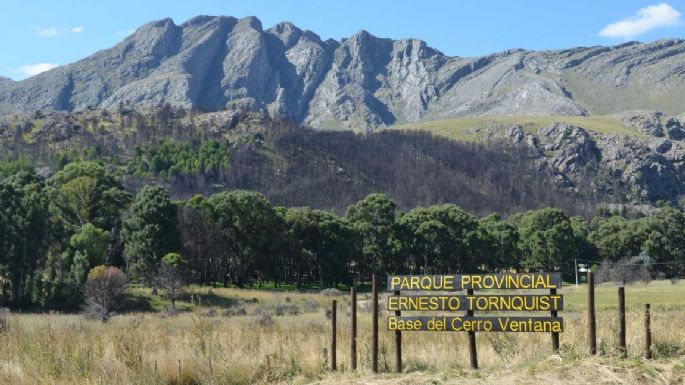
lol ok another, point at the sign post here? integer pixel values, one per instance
(592, 319)
(374, 323)
(473, 352)
(398, 342)
(353, 331)
(555, 335)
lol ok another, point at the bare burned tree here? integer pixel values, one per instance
(626, 270)
(169, 277)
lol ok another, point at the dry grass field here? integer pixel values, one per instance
(228, 337)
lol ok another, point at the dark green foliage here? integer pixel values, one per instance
(547, 239)
(10, 167)
(89, 246)
(25, 231)
(170, 159)
(249, 225)
(616, 237)
(149, 232)
(323, 243)
(503, 237)
(373, 218)
(440, 238)
(53, 232)
(86, 192)
(665, 243)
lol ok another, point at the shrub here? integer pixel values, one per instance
(310, 306)
(169, 277)
(625, 271)
(331, 292)
(103, 289)
(265, 320)
(667, 349)
(235, 312)
(286, 309)
(4, 322)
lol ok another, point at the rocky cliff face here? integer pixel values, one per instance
(358, 83)
(645, 168)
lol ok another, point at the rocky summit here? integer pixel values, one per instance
(361, 83)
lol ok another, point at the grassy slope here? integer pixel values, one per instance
(215, 348)
(460, 128)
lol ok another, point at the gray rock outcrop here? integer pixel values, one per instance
(645, 169)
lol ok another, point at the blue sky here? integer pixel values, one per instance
(38, 34)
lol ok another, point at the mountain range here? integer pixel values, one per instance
(360, 83)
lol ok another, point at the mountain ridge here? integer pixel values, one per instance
(362, 82)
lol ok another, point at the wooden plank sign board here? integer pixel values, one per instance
(489, 302)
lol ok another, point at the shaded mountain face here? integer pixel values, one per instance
(361, 83)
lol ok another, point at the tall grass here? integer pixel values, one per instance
(219, 345)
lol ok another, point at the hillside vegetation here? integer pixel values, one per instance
(191, 152)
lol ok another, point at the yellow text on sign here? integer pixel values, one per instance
(426, 282)
(476, 324)
(507, 281)
(476, 302)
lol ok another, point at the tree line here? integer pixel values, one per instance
(54, 231)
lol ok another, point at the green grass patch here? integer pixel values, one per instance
(460, 129)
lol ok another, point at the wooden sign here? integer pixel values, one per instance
(488, 302)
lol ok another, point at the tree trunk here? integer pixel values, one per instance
(16, 288)
(321, 281)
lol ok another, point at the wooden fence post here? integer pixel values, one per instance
(353, 340)
(334, 308)
(473, 354)
(592, 321)
(555, 335)
(648, 333)
(398, 342)
(622, 321)
(374, 323)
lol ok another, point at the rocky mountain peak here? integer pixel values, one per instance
(362, 82)
(286, 32)
(203, 20)
(250, 22)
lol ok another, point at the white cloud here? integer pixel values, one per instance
(35, 69)
(78, 29)
(46, 31)
(646, 19)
